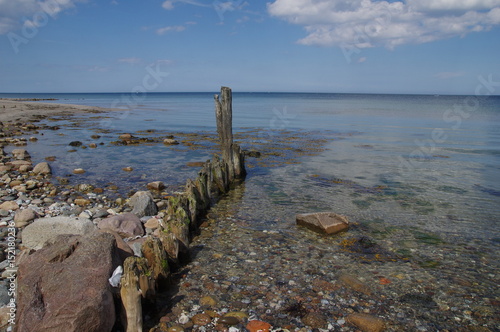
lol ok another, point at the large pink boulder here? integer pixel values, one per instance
(126, 224)
(64, 286)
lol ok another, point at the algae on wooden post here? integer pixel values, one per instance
(136, 284)
(156, 257)
(231, 152)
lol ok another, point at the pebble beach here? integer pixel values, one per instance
(244, 274)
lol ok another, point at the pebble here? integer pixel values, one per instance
(201, 319)
(9, 206)
(78, 171)
(366, 323)
(229, 320)
(208, 301)
(258, 326)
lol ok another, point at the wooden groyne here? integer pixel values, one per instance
(142, 277)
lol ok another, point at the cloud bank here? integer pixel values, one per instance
(14, 14)
(370, 23)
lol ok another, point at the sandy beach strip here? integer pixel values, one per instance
(12, 110)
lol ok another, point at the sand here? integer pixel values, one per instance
(12, 110)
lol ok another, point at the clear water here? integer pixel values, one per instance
(435, 160)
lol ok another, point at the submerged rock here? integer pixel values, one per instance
(366, 323)
(324, 222)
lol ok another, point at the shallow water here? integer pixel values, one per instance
(411, 172)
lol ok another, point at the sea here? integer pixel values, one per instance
(425, 162)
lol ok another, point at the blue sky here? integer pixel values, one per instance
(367, 46)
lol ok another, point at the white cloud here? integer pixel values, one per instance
(31, 13)
(169, 4)
(172, 28)
(370, 23)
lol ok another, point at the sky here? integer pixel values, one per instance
(339, 46)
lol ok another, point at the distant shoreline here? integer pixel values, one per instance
(15, 109)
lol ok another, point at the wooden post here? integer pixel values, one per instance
(232, 155)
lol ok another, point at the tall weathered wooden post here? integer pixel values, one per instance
(232, 155)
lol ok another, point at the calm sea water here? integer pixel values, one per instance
(431, 162)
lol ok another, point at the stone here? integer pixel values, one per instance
(42, 168)
(78, 171)
(152, 223)
(44, 230)
(127, 169)
(240, 315)
(82, 202)
(324, 222)
(126, 136)
(126, 224)
(22, 217)
(24, 168)
(195, 164)
(124, 249)
(315, 320)
(170, 141)
(142, 204)
(92, 145)
(16, 164)
(156, 185)
(228, 320)
(201, 319)
(208, 301)
(20, 154)
(355, 284)
(75, 143)
(366, 323)
(258, 326)
(64, 286)
(9, 206)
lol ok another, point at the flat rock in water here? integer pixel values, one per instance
(45, 230)
(324, 222)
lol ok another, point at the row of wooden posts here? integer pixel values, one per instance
(144, 276)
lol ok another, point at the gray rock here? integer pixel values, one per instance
(22, 217)
(126, 224)
(44, 230)
(20, 154)
(42, 168)
(64, 286)
(4, 294)
(142, 204)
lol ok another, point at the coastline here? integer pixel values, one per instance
(287, 277)
(13, 109)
